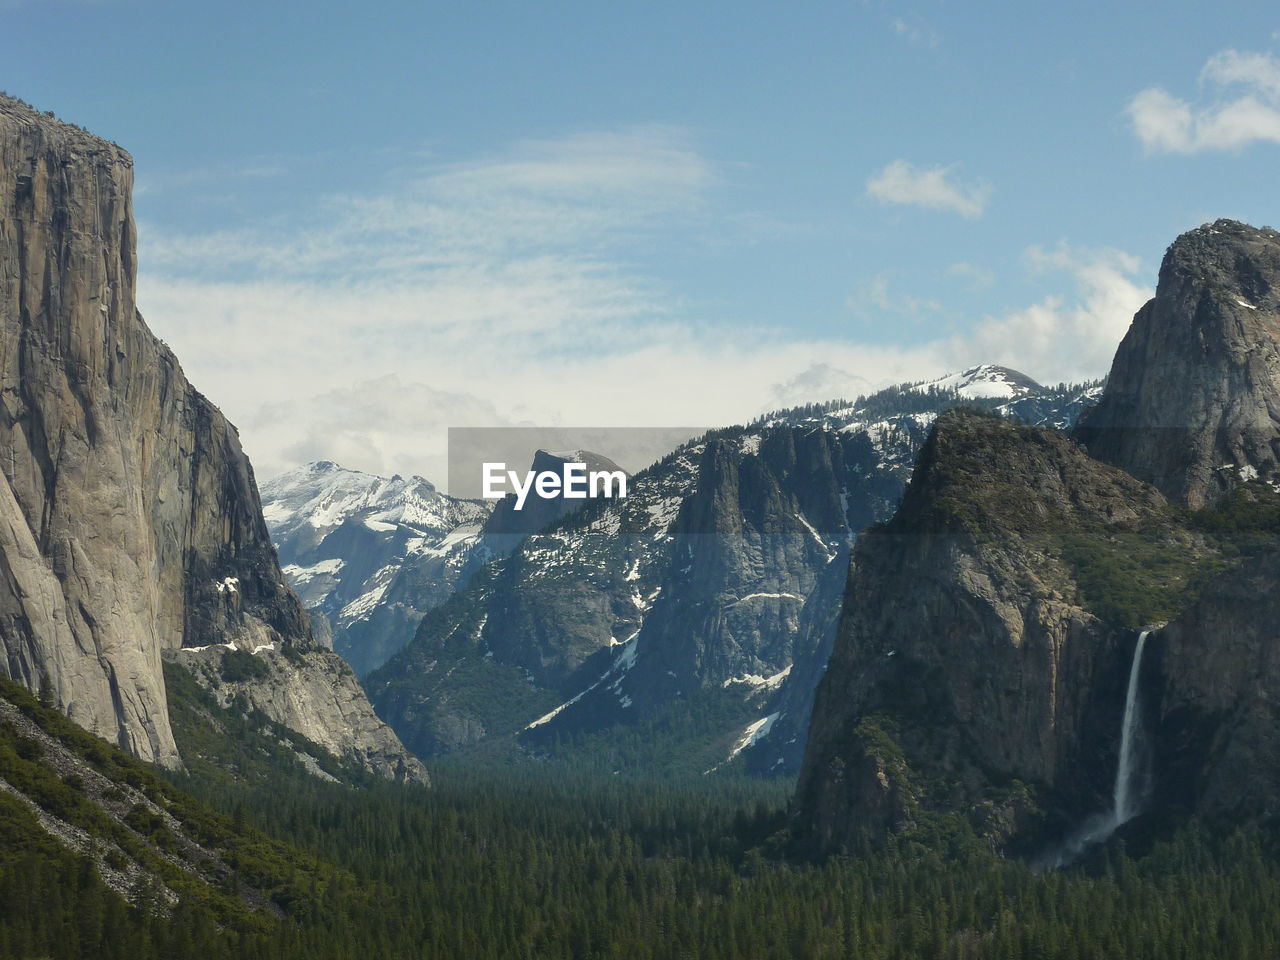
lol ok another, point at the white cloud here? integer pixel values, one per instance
(1063, 338)
(876, 293)
(930, 187)
(915, 30)
(499, 293)
(1245, 108)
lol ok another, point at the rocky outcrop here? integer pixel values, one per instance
(312, 692)
(1214, 701)
(981, 661)
(129, 519)
(1192, 404)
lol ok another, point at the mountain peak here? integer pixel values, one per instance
(1190, 402)
(985, 381)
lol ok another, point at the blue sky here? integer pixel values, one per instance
(360, 225)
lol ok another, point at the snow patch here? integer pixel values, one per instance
(764, 683)
(767, 596)
(299, 575)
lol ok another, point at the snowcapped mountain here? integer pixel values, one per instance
(704, 601)
(371, 553)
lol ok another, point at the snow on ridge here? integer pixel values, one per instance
(767, 596)
(753, 734)
(624, 662)
(299, 575)
(983, 382)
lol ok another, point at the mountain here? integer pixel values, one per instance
(691, 603)
(1042, 646)
(131, 521)
(986, 636)
(1193, 402)
(371, 554)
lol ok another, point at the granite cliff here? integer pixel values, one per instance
(130, 523)
(1193, 400)
(981, 658)
(989, 630)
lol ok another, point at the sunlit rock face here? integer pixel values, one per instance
(129, 519)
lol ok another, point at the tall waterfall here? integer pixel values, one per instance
(1131, 773)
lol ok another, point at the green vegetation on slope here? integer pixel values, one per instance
(508, 861)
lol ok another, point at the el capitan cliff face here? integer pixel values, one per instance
(129, 519)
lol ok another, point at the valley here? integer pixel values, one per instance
(969, 666)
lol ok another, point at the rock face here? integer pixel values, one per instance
(1215, 698)
(1192, 404)
(981, 661)
(695, 580)
(311, 692)
(129, 518)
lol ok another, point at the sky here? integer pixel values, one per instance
(360, 225)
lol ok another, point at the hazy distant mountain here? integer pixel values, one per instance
(373, 554)
(370, 553)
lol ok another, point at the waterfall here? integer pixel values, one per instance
(1131, 773)
(1131, 743)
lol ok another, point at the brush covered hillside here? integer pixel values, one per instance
(100, 856)
(686, 625)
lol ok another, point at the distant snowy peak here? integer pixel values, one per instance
(324, 495)
(371, 553)
(985, 382)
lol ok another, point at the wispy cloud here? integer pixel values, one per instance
(1243, 108)
(933, 188)
(505, 292)
(876, 293)
(980, 278)
(915, 30)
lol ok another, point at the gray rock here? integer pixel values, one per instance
(129, 519)
(972, 672)
(1192, 404)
